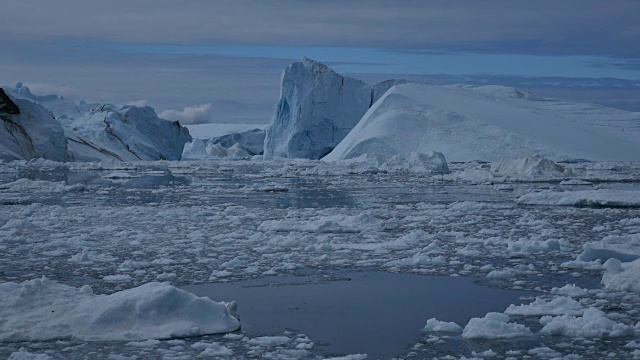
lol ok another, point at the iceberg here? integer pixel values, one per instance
(42, 309)
(128, 133)
(317, 109)
(29, 131)
(251, 141)
(96, 132)
(489, 123)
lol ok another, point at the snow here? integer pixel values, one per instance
(592, 324)
(592, 198)
(435, 325)
(317, 109)
(42, 309)
(484, 123)
(29, 131)
(494, 326)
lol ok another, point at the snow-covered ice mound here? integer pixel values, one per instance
(593, 198)
(29, 131)
(317, 109)
(530, 166)
(490, 123)
(41, 309)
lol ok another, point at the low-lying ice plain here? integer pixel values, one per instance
(116, 226)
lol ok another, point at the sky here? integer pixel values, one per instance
(220, 61)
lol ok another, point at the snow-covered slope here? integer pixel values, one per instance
(29, 131)
(489, 123)
(128, 133)
(317, 109)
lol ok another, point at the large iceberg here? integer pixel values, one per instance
(29, 131)
(128, 133)
(96, 132)
(317, 109)
(489, 123)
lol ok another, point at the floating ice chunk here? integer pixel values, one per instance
(418, 259)
(325, 224)
(593, 323)
(558, 306)
(435, 325)
(40, 310)
(530, 166)
(621, 276)
(349, 357)
(87, 257)
(625, 248)
(501, 274)
(23, 354)
(570, 290)
(269, 340)
(431, 162)
(592, 198)
(195, 150)
(494, 326)
(532, 246)
(212, 349)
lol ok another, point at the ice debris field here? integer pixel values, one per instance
(94, 253)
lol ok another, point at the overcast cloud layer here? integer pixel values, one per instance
(591, 27)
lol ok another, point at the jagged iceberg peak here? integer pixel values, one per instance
(317, 109)
(28, 131)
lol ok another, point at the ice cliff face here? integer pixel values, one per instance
(96, 132)
(317, 109)
(29, 131)
(489, 123)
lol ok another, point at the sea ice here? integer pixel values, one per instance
(41, 309)
(593, 323)
(494, 326)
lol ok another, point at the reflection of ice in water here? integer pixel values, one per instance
(194, 223)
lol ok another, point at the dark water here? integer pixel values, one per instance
(376, 313)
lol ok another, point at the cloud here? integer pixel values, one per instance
(533, 27)
(67, 92)
(139, 103)
(197, 114)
